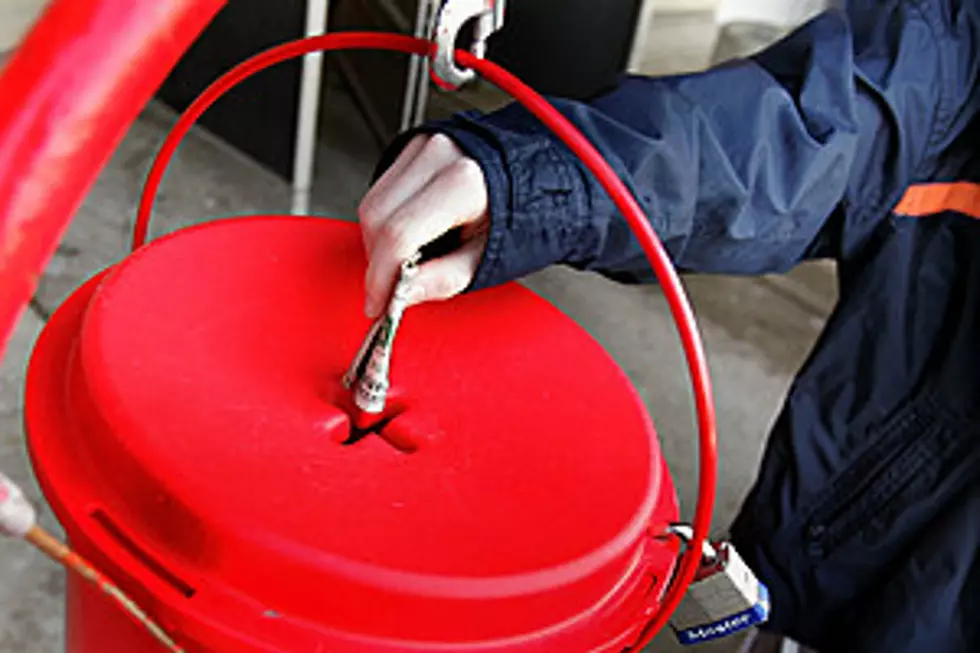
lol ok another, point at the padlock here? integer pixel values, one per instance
(725, 597)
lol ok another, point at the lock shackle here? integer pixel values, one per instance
(88, 67)
(685, 533)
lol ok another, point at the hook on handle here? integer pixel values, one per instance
(452, 16)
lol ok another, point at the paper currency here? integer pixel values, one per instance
(371, 368)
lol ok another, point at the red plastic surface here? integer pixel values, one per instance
(93, 624)
(507, 504)
(673, 290)
(68, 93)
(680, 307)
(88, 131)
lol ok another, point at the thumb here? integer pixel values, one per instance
(450, 275)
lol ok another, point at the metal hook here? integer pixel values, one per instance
(451, 17)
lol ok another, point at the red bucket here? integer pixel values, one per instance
(187, 424)
(187, 420)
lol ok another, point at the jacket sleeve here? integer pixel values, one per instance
(746, 168)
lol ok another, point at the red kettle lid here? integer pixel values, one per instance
(509, 488)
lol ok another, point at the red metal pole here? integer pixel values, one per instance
(69, 93)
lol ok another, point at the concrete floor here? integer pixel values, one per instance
(757, 331)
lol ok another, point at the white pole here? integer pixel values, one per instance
(309, 109)
(415, 63)
(422, 90)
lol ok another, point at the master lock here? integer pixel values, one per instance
(725, 597)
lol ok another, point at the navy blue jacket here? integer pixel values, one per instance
(839, 141)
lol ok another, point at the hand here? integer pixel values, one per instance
(430, 189)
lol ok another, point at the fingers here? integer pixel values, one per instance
(447, 201)
(422, 158)
(450, 275)
(431, 189)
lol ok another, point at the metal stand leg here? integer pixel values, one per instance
(309, 109)
(417, 85)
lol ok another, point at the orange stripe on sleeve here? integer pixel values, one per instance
(928, 199)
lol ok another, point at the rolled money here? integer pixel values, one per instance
(372, 388)
(356, 368)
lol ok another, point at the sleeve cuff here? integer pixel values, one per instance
(491, 160)
(544, 208)
(540, 197)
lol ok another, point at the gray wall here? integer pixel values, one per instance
(16, 16)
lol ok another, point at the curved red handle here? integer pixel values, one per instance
(88, 68)
(627, 204)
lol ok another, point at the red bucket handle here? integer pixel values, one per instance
(149, 38)
(624, 199)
